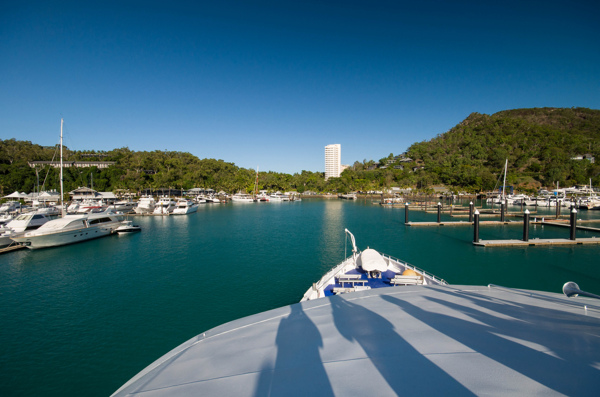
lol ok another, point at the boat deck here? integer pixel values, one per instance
(356, 280)
(419, 340)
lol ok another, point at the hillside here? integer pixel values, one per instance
(538, 143)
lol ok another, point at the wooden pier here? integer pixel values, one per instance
(11, 248)
(461, 223)
(563, 224)
(536, 241)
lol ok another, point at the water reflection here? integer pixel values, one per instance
(332, 233)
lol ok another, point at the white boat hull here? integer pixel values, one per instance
(66, 237)
(185, 210)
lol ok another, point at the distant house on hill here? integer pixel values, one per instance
(587, 156)
(85, 193)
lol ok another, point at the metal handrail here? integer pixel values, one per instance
(418, 270)
(341, 266)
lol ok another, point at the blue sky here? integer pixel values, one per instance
(270, 83)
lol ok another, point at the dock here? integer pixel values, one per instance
(11, 248)
(461, 223)
(586, 228)
(536, 241)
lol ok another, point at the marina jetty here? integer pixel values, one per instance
(520, 218)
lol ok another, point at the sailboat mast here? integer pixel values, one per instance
(504, 183)
(256, 184)
(62, 206)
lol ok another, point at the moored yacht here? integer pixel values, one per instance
(242, 198)
(123, 206)
(278, 196)
(19, 225)
(10, 206)
(146, 205)
(184, 207)
(71, 229)
(212, 199)
(90, 205)
(165, 206)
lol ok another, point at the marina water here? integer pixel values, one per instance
(83, 319)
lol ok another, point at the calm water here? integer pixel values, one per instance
(83, 319)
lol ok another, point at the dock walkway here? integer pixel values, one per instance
(10, 248)
(461, 223)
(536, 241)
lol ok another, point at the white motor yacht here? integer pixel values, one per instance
(71, 229)
(19, 225)
(90, 205)
(263, 198)
(145, 205)
(6, 217)
(184, 207)
(52, 210)
(123, 206)
(242, 198)
(518, 199)
(165, 206)
(589, 203)
(278, 196)
(10, 206)
(128, 227)
(73, 207)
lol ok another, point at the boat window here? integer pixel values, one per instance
(100, 220)
(38, 216)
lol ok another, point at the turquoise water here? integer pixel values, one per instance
(83, 319)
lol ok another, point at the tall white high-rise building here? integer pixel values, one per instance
(333, 161)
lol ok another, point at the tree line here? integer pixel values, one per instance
(540, 145)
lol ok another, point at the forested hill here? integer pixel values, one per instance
(539, 144)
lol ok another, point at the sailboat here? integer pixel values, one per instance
(69, 229)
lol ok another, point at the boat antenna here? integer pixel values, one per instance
(62, 206)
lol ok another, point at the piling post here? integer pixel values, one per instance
(439, 220)
(526, 226)
(471, 211)
(501, 211)
(573, 223)
(405, 212)
(557, 209)
(476, 227)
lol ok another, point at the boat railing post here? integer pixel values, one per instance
(439, 213)
(573, 223)
(476, 227)
(405, 212)
(526, 226)
(471, 211)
